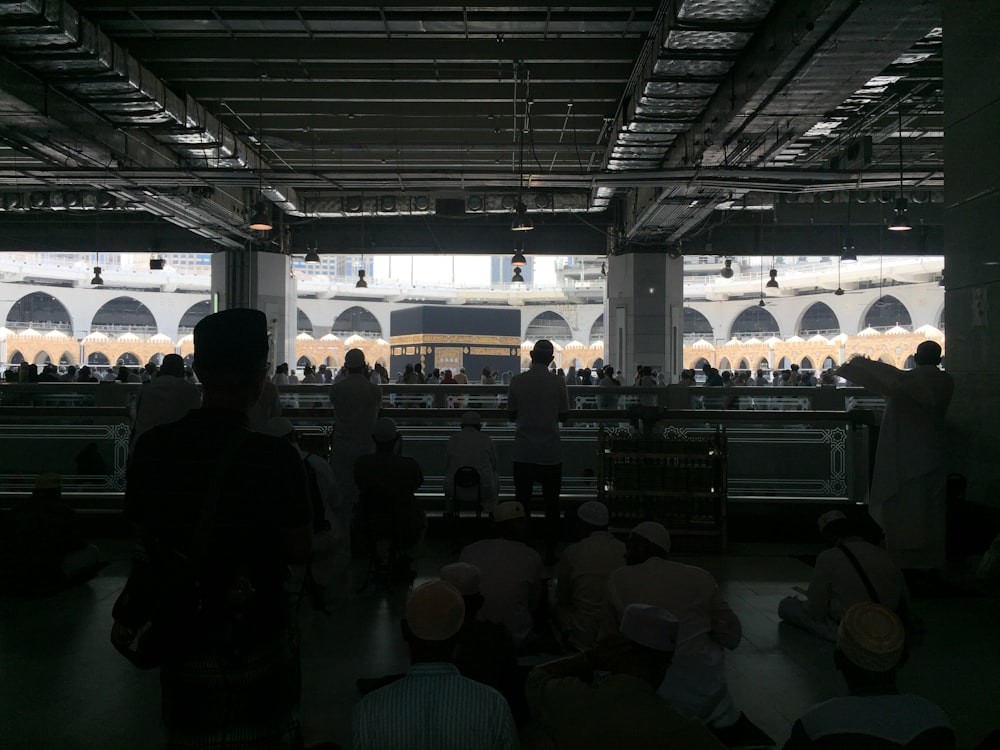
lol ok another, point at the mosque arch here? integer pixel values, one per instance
(743, 365)
(598, 364)
(303, 324)
(806, 363)
(123, 313)
(784, 364)
(193, 315)
(67, 358)
(886, 312)
(40, 311)
(597, 330)
(828, 363)
(724, 364)
(98, 359)
(356, 320)
(16, 357)
(302, 362)
(701, 363)
(763, 364)
(696, 324)
(754, 321)
(42, 358)
(129, 359)
(549, 325)
(820, 318)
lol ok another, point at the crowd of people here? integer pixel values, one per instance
(220, 478)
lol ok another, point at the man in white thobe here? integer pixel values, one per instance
(907, 497)
(696, 681)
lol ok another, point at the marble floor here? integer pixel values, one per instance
(64, 687)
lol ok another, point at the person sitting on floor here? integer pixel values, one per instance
(851, 571)
(388, 508)
(433, 706)
(44, 550)
(870, 647)
(582, 576)
(696, 684)
(581, 709)
(510, 573)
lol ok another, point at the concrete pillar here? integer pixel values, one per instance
(263, 281)
(645, 314)
(972, 273)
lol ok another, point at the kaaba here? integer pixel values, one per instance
(450, 338)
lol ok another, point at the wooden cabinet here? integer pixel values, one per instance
(679, 483)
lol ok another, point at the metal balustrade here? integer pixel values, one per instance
(786, 444)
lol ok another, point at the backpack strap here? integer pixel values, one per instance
(872, 593)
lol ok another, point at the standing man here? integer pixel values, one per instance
(537, 402)
(907, 497)
(356, 401)
(166, 398)
(208, 489)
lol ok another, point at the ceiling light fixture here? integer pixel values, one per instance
(97, 280)
(518, 260)
(840, 291)
(847, 247)
(312, 256)
(727, 269)
(362, 284)
(260, 221)
(521, 222)
(156, 263)
(900, 223)
(517, 278)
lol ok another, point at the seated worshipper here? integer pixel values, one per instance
(166, 398)
(582, 576)
(696, 682)
(387, 505)
(434, 707)
(870, 646)
(207, 488)
(851, 571)
(43, 550)
(606, 697)
(471, 447)
(510, 573)
(485, 651)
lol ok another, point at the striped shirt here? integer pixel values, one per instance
(434, 708)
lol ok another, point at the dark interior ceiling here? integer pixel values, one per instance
(752, 126)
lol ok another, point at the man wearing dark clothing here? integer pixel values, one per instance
(232, 673)
(387, 503)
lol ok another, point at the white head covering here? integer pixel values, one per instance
(593, 513)
(871, 636)
(655, 533)
(508, 511)
(435, 611)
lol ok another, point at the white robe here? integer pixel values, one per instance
(908, 487)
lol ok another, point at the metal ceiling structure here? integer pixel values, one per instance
(751, 125)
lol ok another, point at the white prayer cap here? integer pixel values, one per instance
(462, 576)
(385, 430)
(649, 626)
(508, 511)
(871, 636)
(829, 517)
(593, 513)
(655, 533)
(279, 426)
(435, 611)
